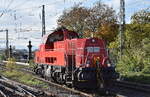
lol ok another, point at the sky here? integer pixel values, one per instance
(22, 18)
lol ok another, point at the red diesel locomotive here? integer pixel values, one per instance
(79, 62)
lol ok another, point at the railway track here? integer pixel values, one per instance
(60, 90)
(54, 88)
(82, 93)
(9, 88)
(126, 86)
(135, 86)
(130, 89)
(64, 91)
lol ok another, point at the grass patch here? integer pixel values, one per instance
(30, 80)
(12, 74)
(137, 77)
(24, 78)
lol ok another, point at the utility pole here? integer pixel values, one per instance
(7, 43)
(43, 20)
(122, 25)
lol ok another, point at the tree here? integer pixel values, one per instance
(102, 18)
(137, 44)
(99, 21)
(74, 19)
(142, 17)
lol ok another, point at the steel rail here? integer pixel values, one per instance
(25, 90)
(66, 88)
(3, 94)
(16, 88)
(12, 91)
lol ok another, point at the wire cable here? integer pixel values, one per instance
(9, 4)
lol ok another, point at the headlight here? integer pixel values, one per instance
(93, 40)
(109, 65)
(87, 65)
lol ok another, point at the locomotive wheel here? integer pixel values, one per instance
(69, 81)
(39, 72)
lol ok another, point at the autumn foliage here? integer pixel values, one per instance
(98, 21)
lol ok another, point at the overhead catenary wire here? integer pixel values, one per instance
(31, 8)
(22, 9)
(15, 10)
(34, 7)
(21, 4)
(5, 9)
(17, 6)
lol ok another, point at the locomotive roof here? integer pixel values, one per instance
(60, 32)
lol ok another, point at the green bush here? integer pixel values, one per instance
(146, 70)
(11, 64)
(2, 57)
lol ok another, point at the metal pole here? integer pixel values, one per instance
(122, 25)
(7, 43)
(10, 51)
(43, 20)
(30, 51)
